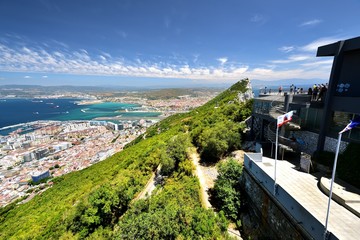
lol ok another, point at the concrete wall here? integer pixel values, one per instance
(272, 223)
(286, 218)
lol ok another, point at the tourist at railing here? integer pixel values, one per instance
(309, 91)
(322, 93)
(315, 92)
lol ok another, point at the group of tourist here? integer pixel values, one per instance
(318, 92)
(293, 90)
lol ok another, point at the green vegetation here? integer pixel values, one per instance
(324, 157)
(174, 212)
(226, 192)
(44, 180)
(348, 168)
(99, 202)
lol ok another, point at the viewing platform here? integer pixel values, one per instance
(298, 194)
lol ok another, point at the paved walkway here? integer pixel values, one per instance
(343, 193)
(304, 188)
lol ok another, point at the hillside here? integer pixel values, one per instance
(97, 202)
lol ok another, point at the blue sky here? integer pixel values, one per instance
(169, 42)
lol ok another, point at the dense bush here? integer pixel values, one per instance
(348, 168)
(103, 208)
(324, 157)
(173, 213)
(226, 192)
(218, 140)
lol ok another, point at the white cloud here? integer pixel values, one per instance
(257, 18)
(105, 54)
(196, 58)
(222, 60)
(313, 46)
(312, 22)
(287, 49)
(82, 62)
(293, 58)
(102, 57)
(303, 73)
(319, 63)
(167, 22)
(122, 34)
(64, 45)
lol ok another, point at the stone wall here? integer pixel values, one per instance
(263, 219)
(311, 140)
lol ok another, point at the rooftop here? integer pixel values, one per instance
(301, 197)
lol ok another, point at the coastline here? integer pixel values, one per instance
(89, 102)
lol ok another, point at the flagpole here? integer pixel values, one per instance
(331, 185)
(276, 155)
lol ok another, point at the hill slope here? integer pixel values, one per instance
(96, 203)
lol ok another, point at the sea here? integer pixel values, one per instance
(17, 111)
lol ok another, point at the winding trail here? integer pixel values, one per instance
(207, 176)
(200, 175)
(149, 187)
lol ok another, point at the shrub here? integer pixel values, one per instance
(348, 168)
(324, 157)
(226, 192)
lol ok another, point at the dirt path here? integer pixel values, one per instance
(149, 187)
(207, 176)
(205, 182)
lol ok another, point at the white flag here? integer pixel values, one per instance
(287, 117)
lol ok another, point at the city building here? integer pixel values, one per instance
(112, 126)
(37, 176)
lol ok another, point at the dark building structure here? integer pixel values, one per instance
(344, 84)
(317, 120)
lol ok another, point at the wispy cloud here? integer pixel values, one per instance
(222, 60)
(272, 74)
(312, 22)
(196, 58)
(122, 34)
(64, 45)
(318, 63)
(257, 18)
(39, 59)
(167, 22)
(293, 58)
(313, 46)
(27, 77)
(287, 49)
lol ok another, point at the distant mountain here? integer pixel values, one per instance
(285, 83)
(54, 88)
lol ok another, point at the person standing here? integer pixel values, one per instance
(315, 93)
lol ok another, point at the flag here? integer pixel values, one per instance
(282, 119)
(353, 123)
